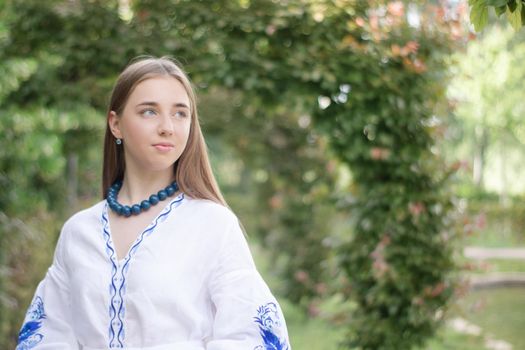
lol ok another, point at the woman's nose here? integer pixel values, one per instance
(166, 125)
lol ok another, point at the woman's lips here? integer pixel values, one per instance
(163, 147)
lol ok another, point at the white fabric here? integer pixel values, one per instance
(187, 283)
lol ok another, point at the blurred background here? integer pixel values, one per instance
(373, 150)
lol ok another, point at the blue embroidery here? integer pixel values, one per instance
(112, 287)
(28, 337)
(117, 287)
(270, 326)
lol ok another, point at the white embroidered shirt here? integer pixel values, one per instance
(188, 282)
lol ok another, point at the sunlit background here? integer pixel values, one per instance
(373, 150)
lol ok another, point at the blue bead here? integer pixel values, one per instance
(153, 199)
(135, 209)
(162, 195)
(145, 205)
(170, 190)
(126, 211)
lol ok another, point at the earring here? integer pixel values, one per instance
(118, 141)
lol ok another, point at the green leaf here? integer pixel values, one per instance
(496, 3)
(512, 5)
(501, 10)
(479, 15)
(475, 2)
(515, 17)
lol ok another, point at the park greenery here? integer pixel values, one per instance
(489, 108)
(325, 121)
(514, 10)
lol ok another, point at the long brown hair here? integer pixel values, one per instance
(193, 172)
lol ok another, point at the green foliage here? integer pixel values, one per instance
(479, 14)
(290, 86)
(488, 131)
(514, 10)
(496, 223)
(292, 177)
(40, 131)
(500, 311)
(399, 259)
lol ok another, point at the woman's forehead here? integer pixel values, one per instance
(160, 90)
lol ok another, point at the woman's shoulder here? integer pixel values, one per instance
(215, 223)
(212, 212)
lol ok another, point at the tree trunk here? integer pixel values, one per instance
(72, 181)
(481, 137)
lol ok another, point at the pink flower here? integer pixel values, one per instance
(276, 201)
(412, 46)
(416, 208)
(419, 66)
(481, 221)
(396, 50)
(379, 153)
(434, 291)
(396, 8)
(270, 29)
(313, 310)
(301, 276)
(321, 288)
(360, 22)
(380, 265)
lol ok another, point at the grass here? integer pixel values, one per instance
(495, 238)
(500, 312)
(310, 333)
(317, 334)
(494, 265)
(448, 339)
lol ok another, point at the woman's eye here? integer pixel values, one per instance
(148, 112)
(180, 114)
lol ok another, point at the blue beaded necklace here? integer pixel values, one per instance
(136, 209)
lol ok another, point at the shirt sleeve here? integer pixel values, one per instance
(47, 324)
(247, 315)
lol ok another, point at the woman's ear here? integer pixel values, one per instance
(114, 124)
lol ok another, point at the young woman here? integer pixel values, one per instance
(161, 263)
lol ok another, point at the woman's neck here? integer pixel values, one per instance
(137, 187)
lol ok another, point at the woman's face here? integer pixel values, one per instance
(154, 125)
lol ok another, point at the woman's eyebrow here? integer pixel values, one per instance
(155, 104)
